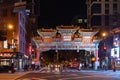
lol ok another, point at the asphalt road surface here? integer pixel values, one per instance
(69, 75)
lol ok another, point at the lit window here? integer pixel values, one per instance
(85, 20)
(5, 44)
(79, 20)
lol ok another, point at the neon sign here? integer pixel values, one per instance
(5, 55)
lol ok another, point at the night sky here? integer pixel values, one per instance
(60, 12)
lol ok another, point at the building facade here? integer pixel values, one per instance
(13, 22)
(103, 13)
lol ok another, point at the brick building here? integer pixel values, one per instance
(13, 23)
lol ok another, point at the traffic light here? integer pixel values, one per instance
(105, 48)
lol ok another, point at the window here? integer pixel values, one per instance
(96, 20)
(107, 6)
(114, 5)
(106, 0)
(115, 18)
(106, 20)
(4, 12)
(94, 0)
(115, 0)
(107, 11)
(96, 8)
(7, 0)
(79, 20)
(13, 14)
(5, 44)
(85, 20)
(115, 8)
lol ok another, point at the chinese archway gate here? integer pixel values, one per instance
(67, 38)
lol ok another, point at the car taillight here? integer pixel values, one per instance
(15, 69)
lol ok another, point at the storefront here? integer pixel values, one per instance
(115, 52)
(6, 59)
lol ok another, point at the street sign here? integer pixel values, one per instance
(18, 6)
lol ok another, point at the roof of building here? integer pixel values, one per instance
(67, 27)
(47, 30)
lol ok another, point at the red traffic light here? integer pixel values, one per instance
(105, 48)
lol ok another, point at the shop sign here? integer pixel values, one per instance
(87, 40)
(47, 40)
(5, 55)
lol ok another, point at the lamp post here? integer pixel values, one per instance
(104, 44)
(104, 34)
(11, 27)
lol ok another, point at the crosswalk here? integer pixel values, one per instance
(95, 72)
(68, 70)
(74, 70)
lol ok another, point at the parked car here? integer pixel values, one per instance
(75, 65)
(8, 69)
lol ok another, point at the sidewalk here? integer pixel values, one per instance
(13, 76)
(104, 72)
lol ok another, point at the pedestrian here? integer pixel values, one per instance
(103, 65)
(25, 67)
(33, 65)
(113, 65)
(80, 66)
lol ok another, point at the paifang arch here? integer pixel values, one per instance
(67, 38)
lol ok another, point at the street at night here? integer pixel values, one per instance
(69, 74)
(59, 39)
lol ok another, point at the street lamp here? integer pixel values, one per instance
(104, 34)
(11, 27)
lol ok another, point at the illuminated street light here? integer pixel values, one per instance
(10, 26)
(104, 34)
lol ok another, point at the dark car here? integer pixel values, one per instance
(8, 69)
